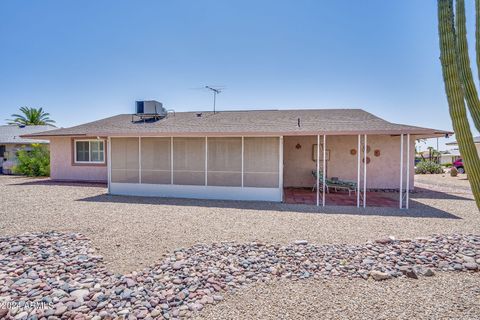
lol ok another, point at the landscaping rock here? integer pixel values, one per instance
(379, 276)
(63, 270)
(470, 266)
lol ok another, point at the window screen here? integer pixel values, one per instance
(261, 157)
(224, 162)
(125, 162)
(96, 151)
(82, 151)
(189, 161)
(156, 160)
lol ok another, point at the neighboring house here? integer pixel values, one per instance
(476, 140)
(11, 142)
(445, 157)
(239, 155)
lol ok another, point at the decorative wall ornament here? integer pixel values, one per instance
(368, 160)
(363, 148)
(376, 153)
(298, 146)
(353, 152)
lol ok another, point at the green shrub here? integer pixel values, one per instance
(447, 165)
(34, 162)
(424, 167)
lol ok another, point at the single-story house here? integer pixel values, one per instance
(238, 155)
(11, 141)
(444, 157)
(476, 140)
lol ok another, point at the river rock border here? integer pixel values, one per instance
(58, 275)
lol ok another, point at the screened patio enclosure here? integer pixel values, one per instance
(234, 168)
(259, 168)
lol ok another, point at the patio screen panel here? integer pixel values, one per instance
(189, 161)
(124, 160)
(156, 160)
(261, 162)
(224, 162)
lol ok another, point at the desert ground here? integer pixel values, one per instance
(132, 233)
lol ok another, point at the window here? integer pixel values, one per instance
(89, 151)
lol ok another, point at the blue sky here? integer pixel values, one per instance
(85, 60)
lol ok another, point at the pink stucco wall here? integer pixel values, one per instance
(61, 167)
(382, 172)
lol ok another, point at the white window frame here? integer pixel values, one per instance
(89, 151)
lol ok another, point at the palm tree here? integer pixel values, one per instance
(31, 117)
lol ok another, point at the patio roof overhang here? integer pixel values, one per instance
(419, 134)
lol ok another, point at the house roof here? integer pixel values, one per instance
(12, 134)
(454, 143)
(251, 122)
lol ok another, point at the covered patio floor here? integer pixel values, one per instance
(340, 198)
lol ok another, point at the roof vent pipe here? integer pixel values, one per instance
(298, 122)
(199, 115)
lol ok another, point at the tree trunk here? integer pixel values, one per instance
(469, 89)
(455, 97)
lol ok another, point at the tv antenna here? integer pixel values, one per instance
(215, 92)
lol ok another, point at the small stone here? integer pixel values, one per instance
(155, 313)
(79, 295)
(428, 273)
(60, 310)
(411, 274)
(130, 282)
(383, 241)
(3, 313)
(470, 266)
(178, 265)
(123, 312)
(379, 276)
(15, 249)
(217, 297)
(195, 306)
(301, 242)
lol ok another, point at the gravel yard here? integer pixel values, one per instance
(134, 232)
(445, 296)
(63, 274)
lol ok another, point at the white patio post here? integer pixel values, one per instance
(408, 172)
(318, 170)
(401, 172)
(365, 173)
(171, 160)
(109, 162)
(358, 170)
(280, 167)
(139, 160)
(206, 161)
(243, 151)
(324, 168)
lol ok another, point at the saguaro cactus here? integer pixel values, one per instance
(469, 90)
(449, 57)
(477, 34)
